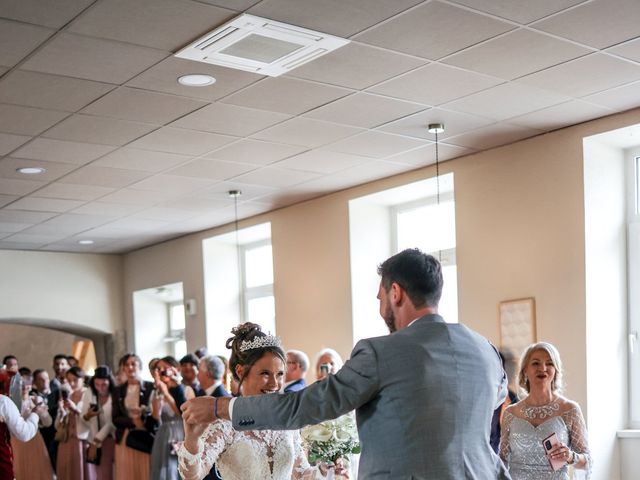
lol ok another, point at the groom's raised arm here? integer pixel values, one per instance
(355, 384)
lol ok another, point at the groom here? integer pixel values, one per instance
(423, 395)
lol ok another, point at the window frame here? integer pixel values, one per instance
(175, 335)
(251, 293)
(633, 276)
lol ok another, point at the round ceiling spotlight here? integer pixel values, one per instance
(85, 242)
(196, 80)
(435, 128)
(31, 170)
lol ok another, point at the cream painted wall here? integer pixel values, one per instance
(77, 289)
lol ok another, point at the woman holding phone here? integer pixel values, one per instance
(545, 432)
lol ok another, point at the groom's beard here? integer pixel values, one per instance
(389, 318)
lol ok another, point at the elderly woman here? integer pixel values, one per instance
(328, 361)
(543, 413)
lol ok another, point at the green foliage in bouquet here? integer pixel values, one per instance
(333, 439)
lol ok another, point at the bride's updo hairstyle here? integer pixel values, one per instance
(248, 345)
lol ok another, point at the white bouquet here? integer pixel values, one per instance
(331, 440)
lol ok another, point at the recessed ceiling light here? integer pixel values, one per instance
(85, 242)
(31, 170)
(196, 80)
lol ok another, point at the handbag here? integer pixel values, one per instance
(140, 440)
(62, 432)
(93, 454)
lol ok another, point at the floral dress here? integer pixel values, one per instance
(250, 455)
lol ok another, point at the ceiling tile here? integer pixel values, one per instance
(52, 230)
(130, 196)
(6, 199)
(372, 170)
(426, 155)
(36, 240)
(599, 24)
(621, 98)
(19, 39)
(101, 130)
(357, 66)
(337, 17)
(286, 95)
(21, 120)
(229, 120)
(92, 58)
(585, 75)
(80, 222)
(144, 160)
(162, 24)
(136, 224)
(6, 228)
(104, 176)
(562, 115)
(108, 209)
(306, 132)
(61, 151)
(492, 136)
(519, 11)
(507, 100)
(17, 216)
(630, 50)
(164, 214)
(14, 186)
(276, 177)
(181, 141)
(434, 30)
(364, 110)
(322, 161)
(503, 56)
(54, 15)
(74, 192)
(374, 144)
(9, 142)
(454, 122)
(209, 168)
(255, 152)
(237, 5)
(176, 184)
(198, 205)
(3, 70)
(435, 84)
(53, 170)
(49, 91)
(38, 204)
(143, 106)
(163, 77)
(220, 191)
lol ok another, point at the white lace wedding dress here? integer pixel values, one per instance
(250, 455)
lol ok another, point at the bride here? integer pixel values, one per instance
(258, 365)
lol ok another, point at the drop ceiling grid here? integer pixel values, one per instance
(104, 193)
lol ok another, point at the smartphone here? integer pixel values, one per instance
(93, 407)
(548, 443)
(64, 394)
(325, 368)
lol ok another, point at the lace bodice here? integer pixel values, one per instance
(251, 455)
(521, 444)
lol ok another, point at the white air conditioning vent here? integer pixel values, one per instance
(259, 45)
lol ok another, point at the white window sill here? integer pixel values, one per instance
(631, 433)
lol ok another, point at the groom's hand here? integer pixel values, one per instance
(203, 409)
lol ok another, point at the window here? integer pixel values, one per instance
(431, 227)
(176, 334)
(633, 238)
(257, 285)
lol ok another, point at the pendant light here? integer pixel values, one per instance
(437, 128)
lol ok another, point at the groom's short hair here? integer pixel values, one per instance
(419, 274)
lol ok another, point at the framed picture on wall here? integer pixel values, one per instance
(517, 321)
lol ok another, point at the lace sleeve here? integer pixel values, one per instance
(301, 468)
(210, 445)
(505, 427)
(578, 441)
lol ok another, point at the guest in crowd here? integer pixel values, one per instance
(73, 361)
(498, 413)
(22, 427)
(31, 459)
(71, 432)
(10, 362)
(27, 376)
(228, 381)
(328, 361)
(189, 372)
(97, 413)
(297, 366)
(543, 412)
(60, 367)
(153, 366)
(210, 374)
(50, 399)
(201, 352)
(166, 400)
(130, 405)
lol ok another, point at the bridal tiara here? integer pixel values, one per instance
(260, 342)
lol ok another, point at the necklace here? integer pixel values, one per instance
(533, 412)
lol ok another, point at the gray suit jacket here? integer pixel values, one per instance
(423, 396)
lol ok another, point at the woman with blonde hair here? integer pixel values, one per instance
(545, 432)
